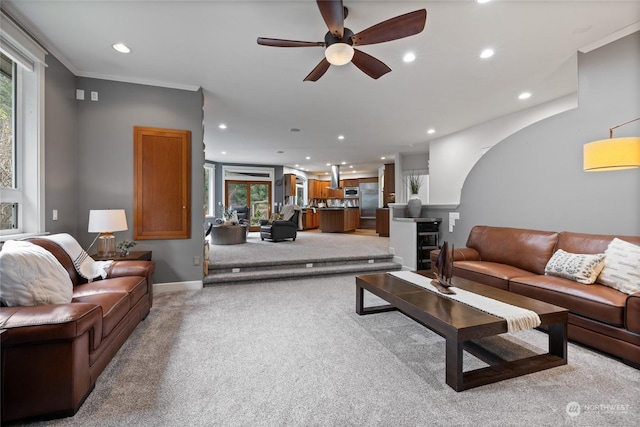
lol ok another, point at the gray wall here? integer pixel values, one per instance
(61, 157)
(534, 179)
(89, 159)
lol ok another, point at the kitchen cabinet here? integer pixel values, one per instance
(289, 184)
(382, 222)
(324, 189)
(310, 219)
(311, 189)
(339, 220)
(389, 182)
(350, 183)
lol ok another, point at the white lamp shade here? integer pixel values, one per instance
(339, 53)
(107, 221)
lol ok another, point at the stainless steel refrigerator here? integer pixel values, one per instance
(368, 200)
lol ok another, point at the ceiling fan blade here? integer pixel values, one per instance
(332, 12)
(369, 65)
(287, 43)
(401, 26)
(319, 71)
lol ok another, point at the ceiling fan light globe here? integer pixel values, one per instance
(339, 53)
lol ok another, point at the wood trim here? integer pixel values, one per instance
(162, 183)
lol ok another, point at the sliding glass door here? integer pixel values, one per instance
(254, 194)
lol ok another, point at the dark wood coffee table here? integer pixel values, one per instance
(458, 324)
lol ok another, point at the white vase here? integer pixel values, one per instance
(414, 206)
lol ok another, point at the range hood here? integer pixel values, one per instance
(335, 177)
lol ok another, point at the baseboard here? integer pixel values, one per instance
(159, 288)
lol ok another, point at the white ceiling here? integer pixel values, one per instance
(259, 93)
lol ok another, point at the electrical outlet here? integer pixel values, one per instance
(196, 260)
(94, 96)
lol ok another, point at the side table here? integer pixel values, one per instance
(133, 256)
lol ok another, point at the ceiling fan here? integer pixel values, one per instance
(339, 40)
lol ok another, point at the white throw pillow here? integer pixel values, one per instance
(621, 267)
(31, 275)
(581, 268)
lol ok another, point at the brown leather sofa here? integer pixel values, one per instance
(515, 259)
(52, 355)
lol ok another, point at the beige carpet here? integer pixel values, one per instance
(294, 353)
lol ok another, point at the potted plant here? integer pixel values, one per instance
(414, 204)
(124, 247)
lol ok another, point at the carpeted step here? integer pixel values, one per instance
(230, 267)
(285, 272)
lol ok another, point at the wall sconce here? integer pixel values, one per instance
(613, 153)
(106, 222)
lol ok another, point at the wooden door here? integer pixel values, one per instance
(162, 183)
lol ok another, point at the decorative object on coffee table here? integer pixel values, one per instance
(444, 270)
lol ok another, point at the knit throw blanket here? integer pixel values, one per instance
(85, 265)
(517, 318)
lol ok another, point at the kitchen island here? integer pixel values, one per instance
(339, 220)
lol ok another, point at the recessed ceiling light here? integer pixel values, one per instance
(524, 95)
(340, 136)
(382, 158)
(351, 166)
(431, 131)
(487, 53)
(353, 171)
(223, 152)
(308, 158)
(297, 166)
(344, 163)
(409, 57)
(122, 48)
(482, 1)
(222, 126)
(328, 164)
(326, 173)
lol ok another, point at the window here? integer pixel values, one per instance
(8, 208)
(22, 118)
(209, 189)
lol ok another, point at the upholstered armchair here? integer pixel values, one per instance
(280, 229)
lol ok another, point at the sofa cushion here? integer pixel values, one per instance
(525, 249)
(489, 273)
(135, 286)
(582, 268)
(114, 305)
(31, 276)
(595, 301)
(621, 267)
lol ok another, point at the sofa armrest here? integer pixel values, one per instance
(466, 254)
(462, 254)
(632, 313)
(134, 268)
(264, 222)
(51, 323)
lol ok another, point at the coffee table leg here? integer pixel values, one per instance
(361, 309)
(558, 340)
(359, 299)
(454, 375)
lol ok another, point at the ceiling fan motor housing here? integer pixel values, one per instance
(330, 39)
